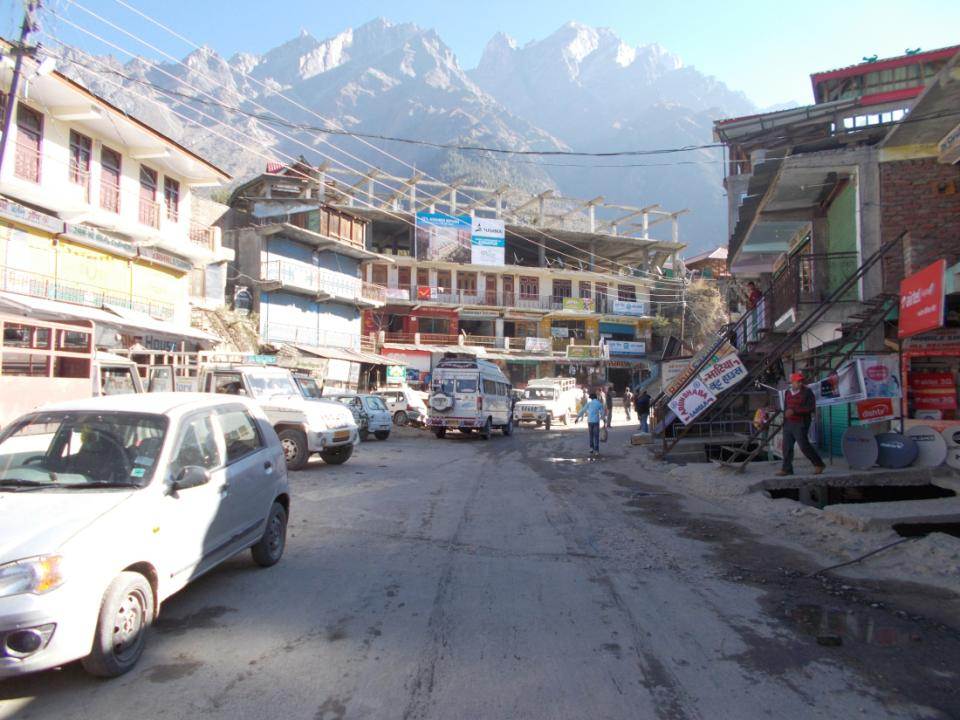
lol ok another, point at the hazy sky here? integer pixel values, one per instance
(766, 49)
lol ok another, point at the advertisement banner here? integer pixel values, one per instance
(875, 410)
(397, 294)
(629, 307)
(717, 349)
(843, 386)
(723, 372)
(559, 332)
(443, 238)
(425, 292)
(881, 376)
(396, 374)
(670, 369)
(624, 347)
(538, 345)
(578, 305)
(922, 300)
(691, 401)
(584, 352)
(487, 242)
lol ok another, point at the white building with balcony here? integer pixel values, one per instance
(96, 218)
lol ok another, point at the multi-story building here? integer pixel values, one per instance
(299, 259)
(829, 203)
(96, 220)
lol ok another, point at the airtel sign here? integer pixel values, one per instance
(922, 300)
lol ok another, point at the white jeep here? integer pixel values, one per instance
(304, 426)
(547, 401)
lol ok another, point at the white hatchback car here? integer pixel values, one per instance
(112, 504)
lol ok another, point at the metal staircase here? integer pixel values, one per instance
(763, 349)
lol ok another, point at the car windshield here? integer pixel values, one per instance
(539, 394)
(444, 386)
(374, 403)
(466, 385)
(81, 450)
(267, 385)
(310, 388)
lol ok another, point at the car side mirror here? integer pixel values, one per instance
(190, 477)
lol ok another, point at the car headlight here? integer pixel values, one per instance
(35, 575)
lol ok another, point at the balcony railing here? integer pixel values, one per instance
(202, 236)
(149, 213)
(109, 195)
(42, 286)
(27, 163)
(492, 298)
(310, 336)
(809, 279)
(321, 281)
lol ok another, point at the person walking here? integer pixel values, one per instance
(594, 411)
(627, 401)
(799, 405)
(608, 402)
(642, 406)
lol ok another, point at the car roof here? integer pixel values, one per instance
(159, 403)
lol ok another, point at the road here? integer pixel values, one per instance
(512, 579)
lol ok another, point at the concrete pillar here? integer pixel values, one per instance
(645, 220)
(592, 210)
(413, 197)
(675, 223)
(498, 323)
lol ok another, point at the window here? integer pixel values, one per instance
(403, 277)
(226, 383)
(443, 280)
(197, 446)
(423, 277)
(149, 210)
(627, 293)
(110, 180)
(434, 326)
(467, 282)
(81, 150)
(171, 198)
(379, 274)
(466, 385)
(584, 289)
(529, 288)
(239, 433)
(562, 289)
(29, 139)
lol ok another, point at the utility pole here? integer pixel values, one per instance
(28, 26)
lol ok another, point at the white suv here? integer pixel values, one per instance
(405, 404)
(112, 504)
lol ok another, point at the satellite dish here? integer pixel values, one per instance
(952, 437)
(859, 446)
(931, 447)
(953, 457)
(896, 450)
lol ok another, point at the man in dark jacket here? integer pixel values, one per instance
(799, 406)
(642, 405)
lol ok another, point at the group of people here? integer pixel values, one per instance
(598, 408)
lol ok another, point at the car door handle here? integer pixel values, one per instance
(225, 488)
(268, 466)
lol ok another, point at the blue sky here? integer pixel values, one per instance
(766, 49)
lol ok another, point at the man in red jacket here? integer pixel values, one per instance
(799, 406)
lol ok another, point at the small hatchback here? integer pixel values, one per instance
(112, 504)
(370, 413)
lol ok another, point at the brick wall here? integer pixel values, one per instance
(921, 197)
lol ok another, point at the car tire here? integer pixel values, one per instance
(486, 430)
(269, 549)
(563, 419)
(294, 444)
(547, 424)
(338, 456)
(508, 428)
(466, 430)
(382, 434)
(400, 418)
(125, 615)
(441, 433)
(364, 434)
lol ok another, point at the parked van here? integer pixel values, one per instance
(547, 401)
(469, 394)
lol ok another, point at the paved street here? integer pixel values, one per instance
(510, 579)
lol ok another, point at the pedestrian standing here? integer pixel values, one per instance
(608, 402)
(594, 411)
(799, 406)
(642, 405)
(627, 401)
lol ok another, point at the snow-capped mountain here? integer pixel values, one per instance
(581, 88)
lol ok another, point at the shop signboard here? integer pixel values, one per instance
(538, 345)
(691, 401)
(722, 372)
(629, 307)
(397, 294)
(425, 292)
(719, 348)
(922, 300)
(584, 352)
(624, 347)
(443, 238)
(487, 241)
(559, 332)
(86, 235)
(578, 305)
(881, 376)
(27, 216)
(153, 255)
(670, 369)
(396, 374)
(873, 410)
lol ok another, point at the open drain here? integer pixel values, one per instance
(822, 495)
(833, 627)
(921, 529)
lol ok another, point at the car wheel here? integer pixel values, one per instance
(400, 418)
(487, 428)
(125, 615)
(338, 456)
(466, 430)
(294, 444)
(508, 428)
(563, 419)
(441, 433)
(269, 549)
(364, 434)
(382, 434)
(547, 424)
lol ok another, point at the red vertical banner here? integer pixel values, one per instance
(922, 300)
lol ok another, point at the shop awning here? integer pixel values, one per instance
(120, 318)
(440, 349)
(523, 358)
(347, 354)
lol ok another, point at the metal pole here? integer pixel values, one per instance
(26, 28)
